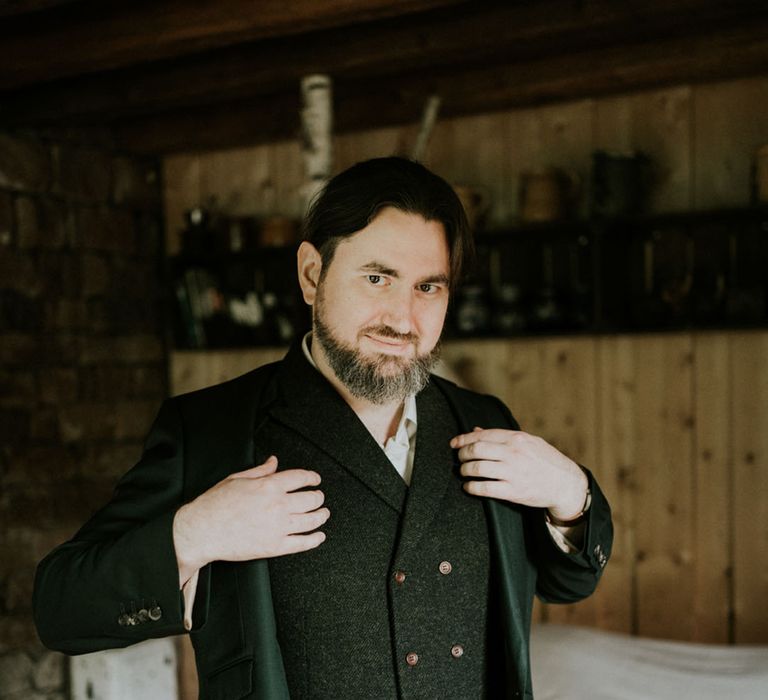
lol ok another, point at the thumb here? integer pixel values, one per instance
(268, 467)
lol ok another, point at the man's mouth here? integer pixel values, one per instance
(390, 341)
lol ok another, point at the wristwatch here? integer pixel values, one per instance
(580, 517)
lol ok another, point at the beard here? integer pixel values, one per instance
(379, 379)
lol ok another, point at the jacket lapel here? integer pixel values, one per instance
(309, 405)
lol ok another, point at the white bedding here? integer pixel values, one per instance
(574, 663)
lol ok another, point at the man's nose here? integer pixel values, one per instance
(398, 312)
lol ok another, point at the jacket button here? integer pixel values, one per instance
(412, 658)
(457, 650)
(155, 613)
(142, 615)
(445, 567)
(122, 620)
(400, 577)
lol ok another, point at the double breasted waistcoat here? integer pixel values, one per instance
(123, 558)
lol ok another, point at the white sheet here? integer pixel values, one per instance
(574, 663)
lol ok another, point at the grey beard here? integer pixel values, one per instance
(366, 378)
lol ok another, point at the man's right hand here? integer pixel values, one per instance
(253, 514)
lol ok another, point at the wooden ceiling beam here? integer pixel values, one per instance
(482, 33)
(362, 103)
(15, 8)
(100, 36)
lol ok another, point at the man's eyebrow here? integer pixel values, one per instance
(380, 268)
(436, 279)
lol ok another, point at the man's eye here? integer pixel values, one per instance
(428, 288)
(374, 279)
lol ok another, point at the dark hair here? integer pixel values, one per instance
(354, 197)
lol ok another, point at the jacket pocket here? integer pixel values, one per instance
(233, 682)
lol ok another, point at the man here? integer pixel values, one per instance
(392, 536)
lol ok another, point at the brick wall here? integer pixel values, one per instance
(82, 359)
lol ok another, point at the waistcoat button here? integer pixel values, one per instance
(412, 658)
(399, 576)
(445, 567)
(457, 650)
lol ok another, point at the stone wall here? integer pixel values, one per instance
(82, 359)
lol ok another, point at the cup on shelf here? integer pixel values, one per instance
(547, 195)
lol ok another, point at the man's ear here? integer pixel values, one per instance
(310, 265)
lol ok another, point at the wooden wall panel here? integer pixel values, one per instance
(749, 423)
(619, 463)
(674, 427)
(730, 122)
(656, 123)
(713, 467)
(191, 370)
(663, 414)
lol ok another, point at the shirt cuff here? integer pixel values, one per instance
(567, 544)
(188, 591)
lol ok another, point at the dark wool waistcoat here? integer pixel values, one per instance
(402, 576)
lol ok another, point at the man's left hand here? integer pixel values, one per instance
(521, 468)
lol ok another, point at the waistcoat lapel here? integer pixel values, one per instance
(309, 405)
(435, 466)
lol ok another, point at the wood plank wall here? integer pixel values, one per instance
(701, 139)
(675, 428)
(675, 425)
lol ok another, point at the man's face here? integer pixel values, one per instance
(380, 305)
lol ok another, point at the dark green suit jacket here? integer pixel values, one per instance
(90, 592)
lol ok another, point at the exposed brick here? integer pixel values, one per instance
(25, 164)
(125, 349)
(79, 285)
(95, 274)
(77, 500)
(19, 312)
(149, 236)
(61, 273)
(16, 589)
(28, 544)
(57, 385)
(17, 386)
(6, 219)
(106, 230)
(88, 420)
(83, 174)
(136, 183)
(14, 424)
(27, 350)
(109, 381)
(44, 425)
(110, 462)
(118, 419)
(123, 315)
(17, 632)
(19, 271)
(39, 462)
(134, 418)
(43, 223)
(48, 675)
(15, 674)
(69, 314)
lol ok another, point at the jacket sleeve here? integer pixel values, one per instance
(562, 577)
(567, 578)
(116, 581)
